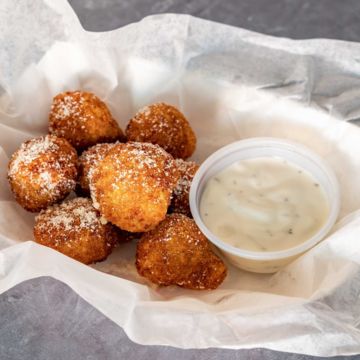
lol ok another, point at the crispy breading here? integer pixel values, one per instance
(83, 119)
(180, 195)
(75, 229)
(177, 253)
(132, 185)
(164, 125)
(87, 160)
(42, 172)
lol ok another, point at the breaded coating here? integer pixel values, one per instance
(83, 119)
(132, 185)
(164, 125)
(180, 195)
(177, 253)
(87, 160)
(42, 172)
(74, 228)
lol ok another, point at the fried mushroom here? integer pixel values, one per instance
(83, 119)
(132, 185)
(177, 253)
(42, 172)
(74, 228)
(164, 125)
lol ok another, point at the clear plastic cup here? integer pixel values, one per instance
(271, 261)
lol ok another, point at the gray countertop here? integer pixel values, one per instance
(33, 322)
(297, 19)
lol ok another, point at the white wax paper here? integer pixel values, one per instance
(231, 84)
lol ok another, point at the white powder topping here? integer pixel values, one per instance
(145, 111)
(89, 159)
(72, 215)
(182, 231)
(45, 176)
(31, 150)
(141, 169)
(103, 220)
(71, 111)
(147, 159)
(67, 106)
(182, 185)
(47, 181)
(164, 125)
(187, 171)
(48, 164)
(62, 220)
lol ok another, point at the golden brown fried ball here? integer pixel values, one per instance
(74, 228)
(88, 159)
(83, 119)
(177, 253)
(180, 196)
(132, 185)
(42, 172)
(164, 125)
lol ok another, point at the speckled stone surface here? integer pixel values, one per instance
(298, 19)
(33, 324)
(35, 327)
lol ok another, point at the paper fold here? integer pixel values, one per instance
(231, 84)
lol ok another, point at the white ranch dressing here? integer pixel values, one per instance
(264, 204)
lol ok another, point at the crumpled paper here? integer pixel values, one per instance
(231, 84)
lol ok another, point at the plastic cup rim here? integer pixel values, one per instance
(225, 151)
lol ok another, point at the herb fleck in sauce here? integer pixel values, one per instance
(264, 204)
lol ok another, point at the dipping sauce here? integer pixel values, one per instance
(264, 204)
